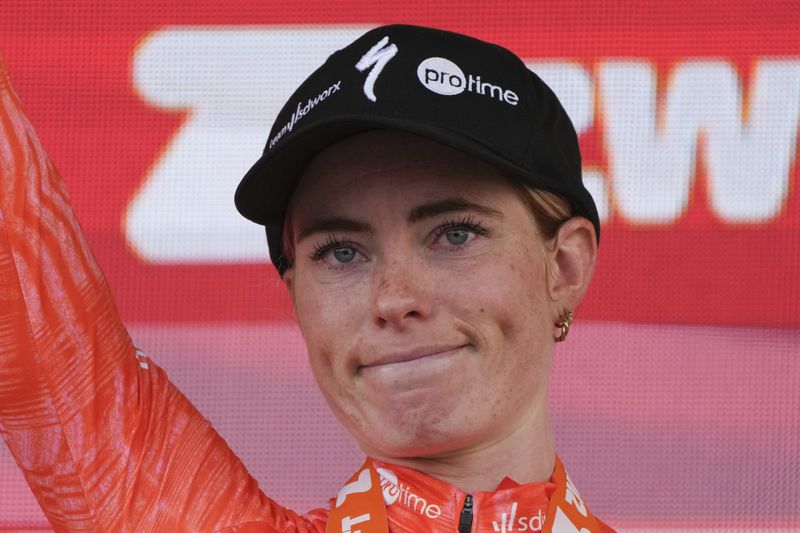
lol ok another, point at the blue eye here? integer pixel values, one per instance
(335, 251)
(344, 254)
(459, 232)
(457, 237)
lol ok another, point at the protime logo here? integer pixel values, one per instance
(442, 76)
(394, 491)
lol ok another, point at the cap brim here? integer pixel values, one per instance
(264, 192)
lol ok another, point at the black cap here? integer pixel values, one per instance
(474, 96)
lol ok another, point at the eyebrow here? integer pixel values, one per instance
(332, 224)
(448, 205)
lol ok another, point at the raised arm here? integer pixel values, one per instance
(105, 441)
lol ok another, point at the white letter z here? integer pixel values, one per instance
(377, 54)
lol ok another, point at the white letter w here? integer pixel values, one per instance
(380, 54)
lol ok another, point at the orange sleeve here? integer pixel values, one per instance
(105, 441)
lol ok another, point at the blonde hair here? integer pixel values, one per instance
(549, 209)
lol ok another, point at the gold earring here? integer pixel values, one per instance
(564, 321)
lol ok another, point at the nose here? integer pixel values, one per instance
(400, 295)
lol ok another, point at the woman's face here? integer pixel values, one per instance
(420, 287)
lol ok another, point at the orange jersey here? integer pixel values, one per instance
(105, 441)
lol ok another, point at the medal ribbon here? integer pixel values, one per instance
(359, 507)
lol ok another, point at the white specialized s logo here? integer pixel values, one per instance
(378, 55)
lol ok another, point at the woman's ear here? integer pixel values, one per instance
(572, 259)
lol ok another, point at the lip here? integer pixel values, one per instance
(405, 356)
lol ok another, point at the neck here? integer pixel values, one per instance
(526, 454)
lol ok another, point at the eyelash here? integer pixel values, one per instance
(328, 244)
(467, 222)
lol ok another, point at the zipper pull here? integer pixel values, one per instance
(465, 522)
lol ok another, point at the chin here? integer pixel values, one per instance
(422, 433)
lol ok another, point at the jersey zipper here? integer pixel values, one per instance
(465, 522)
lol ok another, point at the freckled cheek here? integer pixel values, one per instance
(507, 310)
(322, 305)
(329, 323)
(333, 380)
(506, 295)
